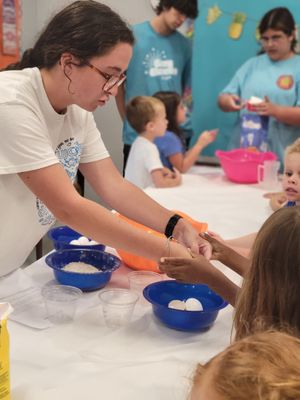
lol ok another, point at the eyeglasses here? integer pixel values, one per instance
(274, 39)
(111, 80)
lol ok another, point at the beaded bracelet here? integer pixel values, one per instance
(168, 246)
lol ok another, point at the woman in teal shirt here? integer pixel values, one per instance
(273, 76)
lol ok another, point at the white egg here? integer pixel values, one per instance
(93, 243)
(177, 305)
(75, 242)
(84, 241)
(193, 304)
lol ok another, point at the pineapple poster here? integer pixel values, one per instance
(225, 36)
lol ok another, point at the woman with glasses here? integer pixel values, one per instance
(48, 132)
(274, 77)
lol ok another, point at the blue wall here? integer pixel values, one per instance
(216, 57)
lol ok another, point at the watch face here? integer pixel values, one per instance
(154, 3)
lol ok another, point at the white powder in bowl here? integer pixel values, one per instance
(81, 268)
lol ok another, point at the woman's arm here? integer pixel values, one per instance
(132, 202)
(54, 188)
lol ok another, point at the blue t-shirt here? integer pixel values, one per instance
(280, 81)
(159, 63)
(168, 145)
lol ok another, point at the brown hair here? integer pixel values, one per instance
(264, 366)
(84, 28)
(279, 19)
(269, 297)
(142, 109)
(171, 101)
(185, 7)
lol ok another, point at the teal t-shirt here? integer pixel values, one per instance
(280, 81)
(159, 63)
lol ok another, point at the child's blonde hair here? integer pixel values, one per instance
(142, 109)
(264, 366)
(293, 148)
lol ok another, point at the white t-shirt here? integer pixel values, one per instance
(32, 136)
(143, 158)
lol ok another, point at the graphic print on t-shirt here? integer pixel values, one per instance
(285, 82)
(68, 153)
(157, 64)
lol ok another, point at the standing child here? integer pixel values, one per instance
(264, 366)
(269, 297)
(147, 115)
(273, 76)
(172, 146)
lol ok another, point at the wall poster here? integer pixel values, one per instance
(10, 19)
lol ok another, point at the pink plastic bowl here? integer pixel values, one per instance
(240, 165)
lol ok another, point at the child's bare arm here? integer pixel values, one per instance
(226, 255)
(199, 270)
(185, 161)
(161, 179)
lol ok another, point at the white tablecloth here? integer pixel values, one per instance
(145, 360)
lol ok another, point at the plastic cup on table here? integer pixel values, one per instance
(138, 280)
(267, 174)
(61, 302)
(118, 306)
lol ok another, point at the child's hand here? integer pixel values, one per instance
(277, 200)
(177, 176)
(207, 137)
(216, 236)
(167, 173)
(176, 173)
(194, 270)
(219, 248)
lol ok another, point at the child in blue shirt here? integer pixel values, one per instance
(172, 146)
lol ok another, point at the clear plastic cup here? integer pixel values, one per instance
(138, 280)
(118, 306)
(61, 302)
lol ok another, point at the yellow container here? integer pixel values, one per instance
(5, 310)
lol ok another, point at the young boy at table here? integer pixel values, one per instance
(147, 115)
(288, 198)
(291, 179)
(264, 366)
(269, 297)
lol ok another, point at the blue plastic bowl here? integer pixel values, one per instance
(105, 262)
(62, 236)
(159, 294)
